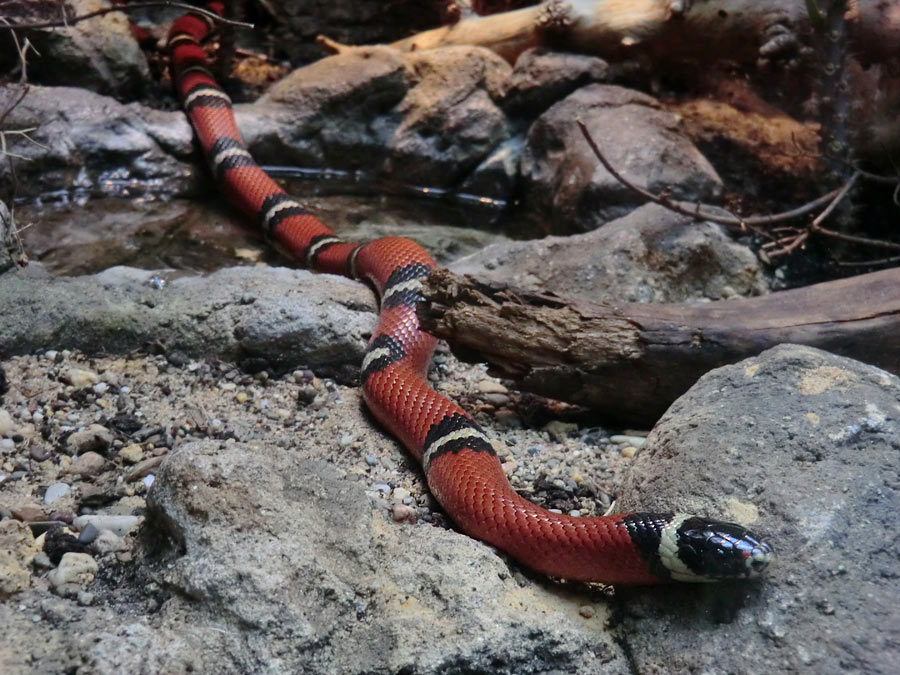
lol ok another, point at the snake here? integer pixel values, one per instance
(461, 467)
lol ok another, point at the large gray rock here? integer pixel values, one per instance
(425, 118)
(280, 316)
(805, 446)
(542, 77)
(568, 186)
(650, 255)
(284, 558)
(86, 144)
(99, 54)
(429, 119)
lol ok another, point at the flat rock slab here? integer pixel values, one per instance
(650, 255)
(284, 557)
(805, 446)
(278, 317)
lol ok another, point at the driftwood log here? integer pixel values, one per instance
(666, 30)
(631, 361)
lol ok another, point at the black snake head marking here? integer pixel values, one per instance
(699, 549)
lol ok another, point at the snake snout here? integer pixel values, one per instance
(712, 550)
(759, 558)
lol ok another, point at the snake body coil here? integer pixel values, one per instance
(461, 467)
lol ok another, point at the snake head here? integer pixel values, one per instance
(700, 549)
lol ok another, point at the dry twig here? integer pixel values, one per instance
(788, 243)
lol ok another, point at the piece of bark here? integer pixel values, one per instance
(631, 361)
(736, 30)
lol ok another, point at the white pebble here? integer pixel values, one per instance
(622, 439)
(120, 525)
(75, 569)
(101, 388)
(6, 422)
(56, 491)
(79, 377)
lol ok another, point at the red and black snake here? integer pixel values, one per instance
(461, 467)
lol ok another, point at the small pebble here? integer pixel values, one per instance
(371, 460)
(118, 525)
(628, 451)
(88, 534)
(62, 516)
(399, 494)
(56, 491)
(559, 430)
(109, 542)
(491, 387)
(7, 445)
(6, 422)
(101, 388)
(403, 513)
(623, 439)
(586, 611)
(74, 570)
(79, 378)
(241, 397)
(88, 464)
(39, 453)
(131, 454)
(28, 513)
(496, 399)
(96, 438)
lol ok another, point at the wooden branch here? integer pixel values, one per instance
(631, 361)
(739, 30)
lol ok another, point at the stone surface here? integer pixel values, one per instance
(541, 77)
(309, 543)
(283, 316)
(805, 447)
(399, 598)
(568, 187)
(74, 572)
(17, 550)
(424, 119)
(98, 54)
(56, 491)
(88, 464)
(132, 454)
(650, 255)
(96, 438)
(85, 144)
